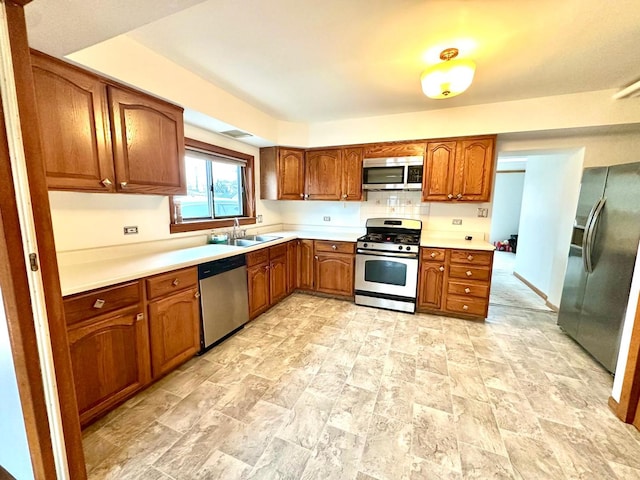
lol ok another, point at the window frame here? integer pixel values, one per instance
(249, 198)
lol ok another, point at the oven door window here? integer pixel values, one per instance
(383, 175)
(386, 272)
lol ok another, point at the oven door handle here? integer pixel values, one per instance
(387, 254)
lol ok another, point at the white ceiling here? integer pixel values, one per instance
(317, 60)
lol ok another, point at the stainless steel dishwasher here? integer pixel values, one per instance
(223, 298)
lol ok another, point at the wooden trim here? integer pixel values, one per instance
(630, 396)
(249, 200)
(551, 306)
(539, 292)
(399, 142)
(614, 407)
(45, 243)
(20, 323)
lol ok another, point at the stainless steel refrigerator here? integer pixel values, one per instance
(601, 259)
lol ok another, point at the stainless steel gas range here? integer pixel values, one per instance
(387, 264)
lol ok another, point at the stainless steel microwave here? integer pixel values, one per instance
(396, 173)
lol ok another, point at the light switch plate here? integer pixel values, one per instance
(483, 212)
(456, 221)
(259, 219)
(326, 218)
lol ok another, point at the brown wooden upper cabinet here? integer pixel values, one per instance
(293, 174)
(98, 136)
(459, 170)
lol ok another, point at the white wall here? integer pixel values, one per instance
(549, 200)
(89, 220)
(14, 449)
(507, 203)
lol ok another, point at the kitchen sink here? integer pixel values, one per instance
(251, 240)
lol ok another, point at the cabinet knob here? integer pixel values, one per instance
(467, 290)
(175, 282)
(333, 247)
(344, 195)
(469, 273)
(450, 196)
(316, 257)
(433, 255)
(470, 257)
(441, 269)
(302, 195)
(123, 184)
(306, 196)
(465, 307)
(99, 303)
(139, 317)
(196, 295)
(459, 196)
(266, 267)
(106, 182)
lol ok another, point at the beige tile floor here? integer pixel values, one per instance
(320, 388)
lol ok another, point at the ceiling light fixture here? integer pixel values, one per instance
(449, 78)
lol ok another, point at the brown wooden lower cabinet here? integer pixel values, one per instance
(334, 267)
(109, 351)
(267, 277)
(305, 264)
(258, 285)
(458, 284)
(292, 265)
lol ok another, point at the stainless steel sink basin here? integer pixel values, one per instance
(251, 240)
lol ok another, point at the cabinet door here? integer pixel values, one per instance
(474, 170)
(290, 174)
(305, 264)
(278, 279)
(148, 144)
(323, 172)
(110, 360)
(437, 181)
(292, 266)
(334, 274)
(74, 124)
(431, 286)
(258, 280)
(352, 174)
(175, 330)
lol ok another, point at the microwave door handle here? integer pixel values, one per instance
(405, 175)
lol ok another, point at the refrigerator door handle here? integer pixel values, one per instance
(590, 234)
(585, 236)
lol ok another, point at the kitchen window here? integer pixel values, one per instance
(219, 188)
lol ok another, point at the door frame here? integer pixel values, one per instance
(31, 291)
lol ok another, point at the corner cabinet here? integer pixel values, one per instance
(98, 136)
(459, 170)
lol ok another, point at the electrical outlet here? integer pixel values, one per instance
(259, 219)
(326, 219)
(483, 212)
(130, 230)
(456, 221)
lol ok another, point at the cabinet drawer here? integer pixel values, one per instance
(469, 306)
(471, 257)
(258, 256)
(87, 305)
(170, 282)
(468, 272)
(470, 289)
(338, 247)
(432, 254)
(277, 251)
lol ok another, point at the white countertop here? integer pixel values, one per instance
(82, 277)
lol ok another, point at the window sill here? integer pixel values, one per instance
(194, 225)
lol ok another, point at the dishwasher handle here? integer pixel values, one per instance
(216, 267)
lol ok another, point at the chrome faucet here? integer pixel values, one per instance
(236, 224)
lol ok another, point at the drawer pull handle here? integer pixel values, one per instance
(470, 257)
(139, 317)
(106, 182)
(99, 303)
(441, 269)
(459, 196)
(467, 290)
(196, 295)
(469, 273)
(333, 247)
(175, 282)
(465, 307)
(433, 254)
(450, 196)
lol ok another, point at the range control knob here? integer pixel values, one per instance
(365, 245)
(408, 248)
(400, 247)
